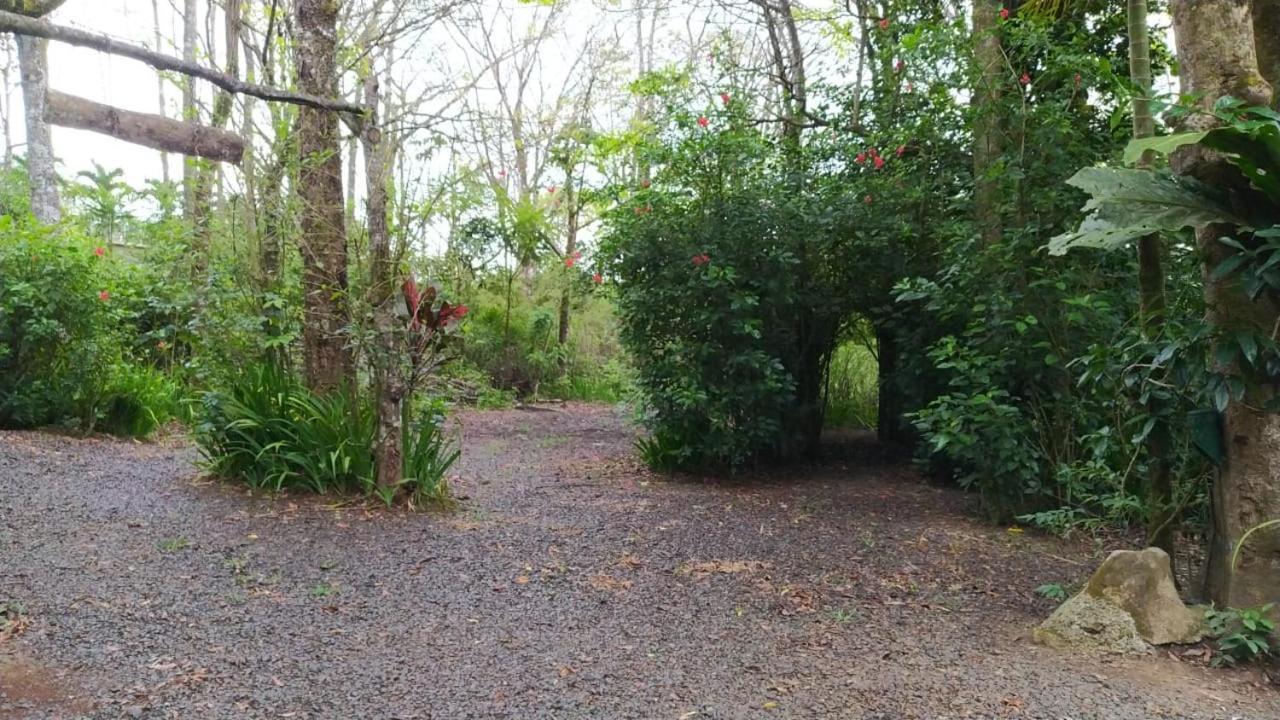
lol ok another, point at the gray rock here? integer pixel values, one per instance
(1141, 584)
(1087, 623)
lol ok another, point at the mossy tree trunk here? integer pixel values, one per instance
(1218, 57)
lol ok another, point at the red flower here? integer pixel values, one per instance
(884, 23)
(899, 66)
(861, 158)
(703, 121)
(597, 278)
(104, 296)
(879, 162)
(502, 174)
(645, 183)
(873, 152)
(572, 260)
(99, 251)
(867, 199)
(902, 150)
(1004, 13)
(701, 259)
(551, 189)
(724, 98)
(1025, 79)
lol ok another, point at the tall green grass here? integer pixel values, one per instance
(269, 431)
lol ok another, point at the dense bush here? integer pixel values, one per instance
(269, 431)
(732, 295)
(65, 339)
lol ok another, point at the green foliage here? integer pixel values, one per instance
(852, 391)
(1242, 635)
(269, 431)
(1052, 591)
(64, 338)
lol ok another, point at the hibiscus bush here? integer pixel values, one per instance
(731, 294)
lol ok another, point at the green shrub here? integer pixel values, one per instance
(852, 387)
(1242, 635)
(269, 431)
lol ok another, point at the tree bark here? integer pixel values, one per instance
(1266, 30)
(1162, 527)
(222, 106)
(144, 129)
(1216, 51)
(987, 142)
(189, 112)
(155, 18)
(570, 247)
(389, 377)
(33, 60)
(327, 357)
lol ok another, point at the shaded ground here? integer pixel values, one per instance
(571, 585)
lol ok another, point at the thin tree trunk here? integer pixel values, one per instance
(389, 380)
(7, 101)
(189, 113)
(206, 172)
(328, 359)
(1217, 56)
(987, 144)
(570, 247)
(160, 81)
(33, 60)
(1162, 527)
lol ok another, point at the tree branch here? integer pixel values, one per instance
(153, 131)
(14, 23)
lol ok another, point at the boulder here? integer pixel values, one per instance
(1087, 623)
(1141, 584)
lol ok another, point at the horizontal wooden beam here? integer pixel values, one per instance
(153, 131)
(22, 25)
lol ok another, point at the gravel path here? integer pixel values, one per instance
(571, 584)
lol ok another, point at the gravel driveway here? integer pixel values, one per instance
(569, 584)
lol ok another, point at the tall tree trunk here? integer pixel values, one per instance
(33, 61)
(206, 172)
(1266, 30)
(327, 357)
(1217, 56)
(987, 141)
(570, 247)
(1162, 523)
(190, 37)
(389, 378)
(160, 81)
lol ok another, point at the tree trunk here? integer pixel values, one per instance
(205, 172)
(189, 113)
(570, 247)
(1162, 527)
(1217, 55)
(389, 376)
(326, 355)
(987, 144)
(1266, 28)
(33, 60)
(160, 81)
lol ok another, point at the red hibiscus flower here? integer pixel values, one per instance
(99, 251)
(861, 158)
(879, 162)
(1025, 79)
(884, 23)
(104, 296)
(724, 98)
(701, 259)
(551, 189)
(1004, 13)
(703, 121)
(899, 66)
(597, 278)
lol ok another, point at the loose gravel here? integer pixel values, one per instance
(569, 583)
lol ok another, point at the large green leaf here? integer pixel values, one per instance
(1128, 204)
(1256, 153)
(1163, 145)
